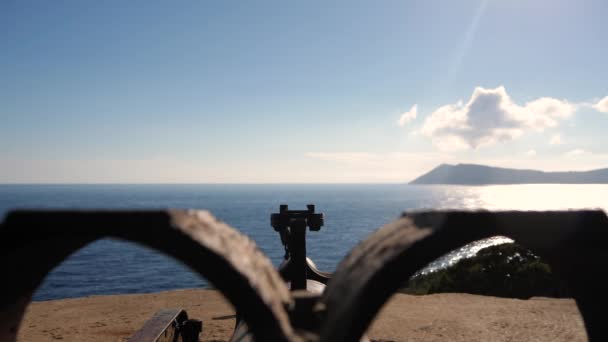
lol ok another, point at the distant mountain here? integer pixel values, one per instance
(471, 174)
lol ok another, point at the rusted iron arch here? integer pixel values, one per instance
(377, 267)
(34, 242)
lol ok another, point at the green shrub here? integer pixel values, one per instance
(507, 270)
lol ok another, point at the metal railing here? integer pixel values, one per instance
(318, 307)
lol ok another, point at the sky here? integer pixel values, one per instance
(306, 92)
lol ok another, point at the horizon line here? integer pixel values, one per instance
(210, 183)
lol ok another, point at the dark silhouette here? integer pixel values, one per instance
(508, 270)
(573, 243)
(472, 174)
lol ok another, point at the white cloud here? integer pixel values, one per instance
(556, 139)
(451, 143)
(345, 157)
(491, 116)
(602, 105)
(168, 169)
(576, 152)
(392, 167)
(545, 108)
(582, 156)
(408, 116)
(377, 167)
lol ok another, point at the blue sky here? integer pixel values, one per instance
(267, 92)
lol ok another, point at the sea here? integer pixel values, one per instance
(352, 212)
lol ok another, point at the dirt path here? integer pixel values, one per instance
(440, 317)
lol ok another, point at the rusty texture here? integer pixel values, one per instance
(34, 242)
(575, 243)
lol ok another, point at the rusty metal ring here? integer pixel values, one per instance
(574, 242)
(34, 242)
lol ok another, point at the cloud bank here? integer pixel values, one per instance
(602, 105)
(491, 116)
(408, 116)
(397, 167)
(556, 139)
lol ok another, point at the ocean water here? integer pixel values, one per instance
(352, 212)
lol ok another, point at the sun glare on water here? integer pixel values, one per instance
(541, 197)
(517, 197)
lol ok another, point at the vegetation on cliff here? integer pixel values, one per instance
(507, 270)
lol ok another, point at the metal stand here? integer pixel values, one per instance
(291, 225)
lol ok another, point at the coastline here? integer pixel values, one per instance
(438, 317)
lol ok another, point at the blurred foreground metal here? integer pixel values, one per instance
(319, 306)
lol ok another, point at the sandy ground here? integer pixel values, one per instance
(439, 317)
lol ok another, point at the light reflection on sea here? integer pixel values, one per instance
(530, 197)
(352, 213)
